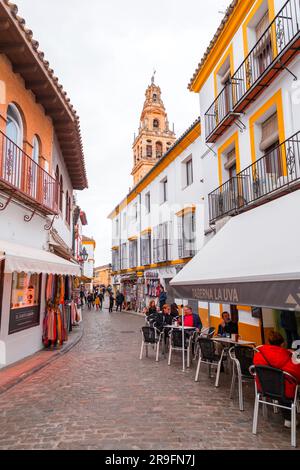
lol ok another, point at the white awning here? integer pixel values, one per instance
(255, 255)
(20, 258)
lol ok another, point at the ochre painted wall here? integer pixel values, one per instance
(34, 119)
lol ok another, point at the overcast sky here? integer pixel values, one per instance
(104, 52)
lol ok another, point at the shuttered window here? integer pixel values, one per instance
(186, 235)
(146, 249)
(270, 133)
(262, 26)
(162, 243)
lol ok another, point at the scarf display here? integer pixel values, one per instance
(61, 312)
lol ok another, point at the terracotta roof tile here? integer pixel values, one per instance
(50, 72)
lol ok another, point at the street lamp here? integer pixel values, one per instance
(84, 255)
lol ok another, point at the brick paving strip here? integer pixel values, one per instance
(21, 370)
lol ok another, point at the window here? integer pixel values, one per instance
(146, 249)
(124, 256)
(124, 220)
(230, 163)
(117, 228)
(269, 146)
(156, 124)
(61, 192)
(115, 260)
(189, 172)
(135, 212)
(164, 190)
(25, 302)
(159, 149)
(186, 235)
(148, 203)
(149, 151)
(263, 50)
(161, 243)
(13, 159)
(133, 253)
(154, 97)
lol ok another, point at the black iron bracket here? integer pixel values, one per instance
(284, 67)
(4, 206)
(28, 218)
(49, 225)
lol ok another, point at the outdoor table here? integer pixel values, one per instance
(182, 328)
(229, 341)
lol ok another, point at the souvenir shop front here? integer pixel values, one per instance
(132, 287)
(155, 280)
(38, 304)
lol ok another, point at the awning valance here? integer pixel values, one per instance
(253, 260)
(20, 258)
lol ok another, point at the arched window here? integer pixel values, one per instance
(61, 192)
(159, 149)
(14, 126)
(154, 97)
(156, 124)
(57, 184)
(13, 159)
(36, 149)
(67, 207)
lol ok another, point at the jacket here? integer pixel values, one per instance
(279, 358)
(193, 320)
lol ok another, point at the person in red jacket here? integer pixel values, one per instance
(275, 355)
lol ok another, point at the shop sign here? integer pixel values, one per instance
(151, 275)
(116, 279)
(167, 273)
(23, 319)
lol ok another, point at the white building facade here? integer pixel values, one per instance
(159, 226)
(250, 115)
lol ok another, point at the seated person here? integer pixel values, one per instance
(227, 326)
(174, 311)
(191, 319)
(275, 355)
(151, 309)
(167, 317)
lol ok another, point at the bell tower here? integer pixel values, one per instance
(155, 137)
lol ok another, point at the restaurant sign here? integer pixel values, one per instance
(273, 294)
(24, 318)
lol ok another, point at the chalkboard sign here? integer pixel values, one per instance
(257, 312)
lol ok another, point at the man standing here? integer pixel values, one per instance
(111, 302)
(162, 298)
(119, 300)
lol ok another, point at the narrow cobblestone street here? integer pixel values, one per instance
(101, 396)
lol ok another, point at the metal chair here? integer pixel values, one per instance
(242, 360)
(175, 344)
(151, 336)
(272, 387)
(204, 333)
(208, 355)
(296, 344)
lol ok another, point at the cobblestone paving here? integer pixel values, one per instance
(101, 396)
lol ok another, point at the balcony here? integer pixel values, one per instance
(272, 176)
(23, 179)
(272, 53)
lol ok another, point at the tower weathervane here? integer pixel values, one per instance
(153, 77)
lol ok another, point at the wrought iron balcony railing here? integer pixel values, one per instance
(271, 54)
(271, 175)
(25, 180)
